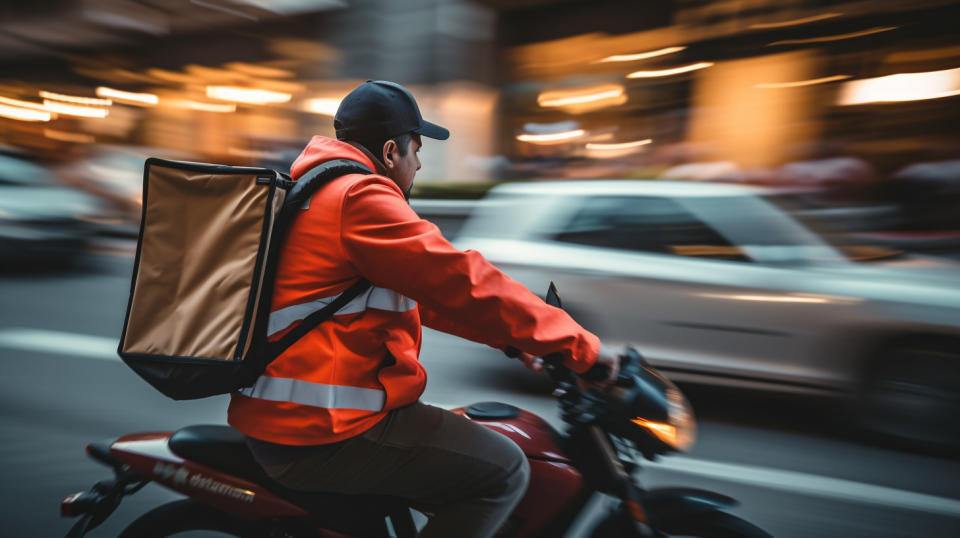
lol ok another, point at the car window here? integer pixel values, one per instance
(769, 234)
(646, 224)
(19, 172)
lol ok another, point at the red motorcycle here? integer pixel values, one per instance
(608, 431)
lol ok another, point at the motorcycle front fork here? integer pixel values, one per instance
(623, 485)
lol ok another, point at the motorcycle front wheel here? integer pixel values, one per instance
(186, 516)
(705, 525)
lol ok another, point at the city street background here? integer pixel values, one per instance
(758, 194)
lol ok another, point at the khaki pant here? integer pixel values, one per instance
(471, 474)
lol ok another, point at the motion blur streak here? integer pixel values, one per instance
(551, 138)
(79, 111)
(902, 87)
(46, 341)
(622, 145)
(128, 97)
(796, 22)
(812, 484)
(201, 106)
(641, 55)
(670, 72)
(665, 432)
(23, 114)
(837, 37)
(23, 104)
(322, 105)
(63, 136)
(560, 98)
(93, 101)
(770, 298)
(247, 95)
(800, 83)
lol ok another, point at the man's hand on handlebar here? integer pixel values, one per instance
(532, 362)
(604, 371)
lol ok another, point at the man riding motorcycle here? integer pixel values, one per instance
(339, 410)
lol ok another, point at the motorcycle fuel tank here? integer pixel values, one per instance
(532, 434)
(556, 486)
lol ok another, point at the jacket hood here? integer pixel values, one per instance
(322, 149)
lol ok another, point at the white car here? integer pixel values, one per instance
(714, 284)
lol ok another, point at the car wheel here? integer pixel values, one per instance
(913, 395)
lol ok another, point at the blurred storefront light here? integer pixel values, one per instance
(561, 98)
(77, 111)
(621, 145)
(795, 22)
(23, 114)
(247, 95)
(901, 87)
(614, 150)
(63, 136)
(326, 106)
(800, 83)
(551, 138)
(670, 72)
(128, 97)
(224, 108)
(92, 101)
(23, 104)
(641, 55)
(838, 37)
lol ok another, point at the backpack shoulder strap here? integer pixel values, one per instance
(298, 192)
(318, 176)
(274, 349)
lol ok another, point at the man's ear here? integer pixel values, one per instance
(389, 153)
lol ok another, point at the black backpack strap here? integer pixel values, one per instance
(274, 349)
(308, 184)
(298, 192)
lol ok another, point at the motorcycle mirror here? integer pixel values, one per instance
(553, 298)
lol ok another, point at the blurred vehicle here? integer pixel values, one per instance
(115, 174)
(717, 285)
(41, 220)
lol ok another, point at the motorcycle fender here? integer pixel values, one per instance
(668, 503)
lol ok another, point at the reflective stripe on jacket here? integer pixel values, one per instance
(345, 375)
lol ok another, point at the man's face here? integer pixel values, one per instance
(402, 169)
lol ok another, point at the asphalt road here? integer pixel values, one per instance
(795, 465)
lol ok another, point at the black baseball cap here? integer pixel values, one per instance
(378, 110)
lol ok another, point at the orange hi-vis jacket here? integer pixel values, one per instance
(345, 375)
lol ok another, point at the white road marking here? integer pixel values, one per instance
(98, 347)
(46, 341)
(810, 484)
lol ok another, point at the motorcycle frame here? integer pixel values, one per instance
(567, 469)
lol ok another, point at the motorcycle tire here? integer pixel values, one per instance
(707, 525)
(188, 515)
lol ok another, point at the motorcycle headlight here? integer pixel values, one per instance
(680, 430)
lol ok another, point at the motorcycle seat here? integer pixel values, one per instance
(225, 449)
(219, 447)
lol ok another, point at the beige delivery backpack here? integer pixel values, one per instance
(210, 237)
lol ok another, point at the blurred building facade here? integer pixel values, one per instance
(702, 89)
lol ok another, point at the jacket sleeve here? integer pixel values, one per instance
(458, 292)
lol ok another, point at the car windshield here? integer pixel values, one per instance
(767, 233)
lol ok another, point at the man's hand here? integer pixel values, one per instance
(609, 359)
(531, 362)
